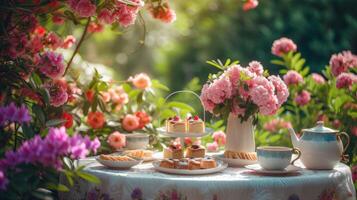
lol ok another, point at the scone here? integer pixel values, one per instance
(195, 125)
(167, 163)
(208, 163)
(176, 125)
(195, 151)
(194, 164)
(173, 151)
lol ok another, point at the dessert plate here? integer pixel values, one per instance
(163, 131)
(234, 162)
(257, 168)
(220, 167)
(119, 164)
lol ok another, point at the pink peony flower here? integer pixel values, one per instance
(126, 14)
(341, 62)
(345, 80)
(219, 137)
(212, 147)
(250, 4)
(141, 81)
(303, 98)
(220, 90)
(256, 68)
(276, 124)
(283, 46)
(117, 140)
(105, 16)
(84, 8)
(68, 42)
(281, 90)
(262, 93)
(207, 103)
(318, 79)
(292, 78)
(58, 94)
(233, 73)
(130, 122)
(51, 64)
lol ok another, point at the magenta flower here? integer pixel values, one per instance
(283, 46)
(12, 113)
(345, 80)
(52, 65)
(341, 62)
(318, 79)
(3, 181)
(303, 98)
(292, 78)
(58, 93)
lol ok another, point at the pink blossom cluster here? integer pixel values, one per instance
(48, 152)
(84, 8)
(276, 124)
(162, 12)
(12, 113)
(292, 77)
(123, 13)
(57, 91)
(247, 84)
(283, 46)
(346, 80)
(303, 98)
(52, 64)
(341, 62)
(318, 79)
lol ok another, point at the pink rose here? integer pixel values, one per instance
(303, 98)
(141, 81)
(283, 46)
(341, 62)
(292, 78)
(130, 122)
(345, 80)
(318, 78)
(250, 4)
(212, 147)
(219, 137)
(117, 140)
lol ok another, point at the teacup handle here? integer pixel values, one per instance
(347, 138)
(295, 150)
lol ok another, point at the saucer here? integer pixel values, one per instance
(257, 168)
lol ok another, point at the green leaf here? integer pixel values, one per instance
(88, 177)
(214, 64)
(277, 62)
(58, 187)
(180, 105)
(102, 86)
(36, 78)
(54, 122)
(158, 85)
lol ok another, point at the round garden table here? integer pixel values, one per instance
(232, 183)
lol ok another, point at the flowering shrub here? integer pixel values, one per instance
(243, 91)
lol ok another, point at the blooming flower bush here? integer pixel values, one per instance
(243, 91)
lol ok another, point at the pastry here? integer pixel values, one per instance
(167, 163)
(183, 164)
(143, 154)
(173, 151)
(176, 125)
(194, 164)
(195, 151)
(207, 163)
(116, 158)
(240, 155)
(195, 125)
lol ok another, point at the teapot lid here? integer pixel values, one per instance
(320, 128)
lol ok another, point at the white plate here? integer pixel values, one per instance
(235, 162)
(145, 159)
(118, 164)
(220, 167)
(257, 168)
(163, 131)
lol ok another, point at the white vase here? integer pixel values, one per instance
(240, 135)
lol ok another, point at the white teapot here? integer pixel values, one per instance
(321, 147)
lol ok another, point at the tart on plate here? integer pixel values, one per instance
(195, 125)
(175, 125)
(173, 152)
(195, 151)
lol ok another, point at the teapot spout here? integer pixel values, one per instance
(294, 138)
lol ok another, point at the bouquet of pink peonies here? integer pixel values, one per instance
(243, 91)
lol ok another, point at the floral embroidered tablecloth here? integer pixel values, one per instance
(143, 182)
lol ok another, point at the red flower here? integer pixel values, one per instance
(96, 120)
(143, 118)
(89, 95)
(40, 31)
(69, 119)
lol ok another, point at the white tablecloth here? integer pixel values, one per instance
(143, 182)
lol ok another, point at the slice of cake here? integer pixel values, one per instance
(176, 125)
(173, 152)
(195, 151)
(208, 163)
(167, 163)
(195, 125)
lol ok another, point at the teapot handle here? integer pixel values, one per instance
(347, 139)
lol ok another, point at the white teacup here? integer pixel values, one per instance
(275, 157)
